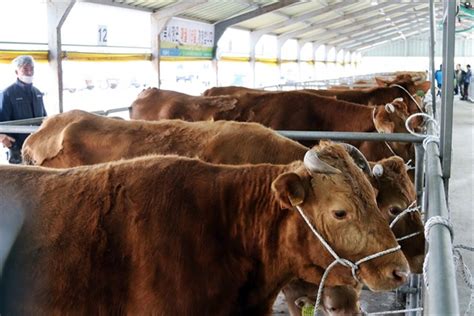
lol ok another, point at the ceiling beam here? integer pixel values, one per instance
(220, 27)
(176, 8)
(362, 26)
(386, 34)
(329, 21)
(384, 39)
(301, 18)
(113, 3)
(369, 34)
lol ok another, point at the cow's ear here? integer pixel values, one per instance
(382, 121)
(425, 86)
(289, 190)
(382, 82)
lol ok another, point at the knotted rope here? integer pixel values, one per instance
(347, 263)
(458, 260)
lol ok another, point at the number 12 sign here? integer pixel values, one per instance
(102, 35)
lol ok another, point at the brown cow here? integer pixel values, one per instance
(404, 88)
(295, 110)
(338, 300)
(79, 138)
(131, 236)
(172, 104)
(229, 90)
(385, 92)
(70, 139)
(393, 186)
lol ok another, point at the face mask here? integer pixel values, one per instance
(26, 79)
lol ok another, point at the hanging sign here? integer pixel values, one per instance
(184, 38)
(102, 35)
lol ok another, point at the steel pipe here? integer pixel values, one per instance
(351, 136)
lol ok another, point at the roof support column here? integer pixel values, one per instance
(57, 12)
(253, 44)
(157, 25)
(279, 47)
(298, 58)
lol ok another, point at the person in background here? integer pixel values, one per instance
(19, 101)
(439, 78)
(459, 75)
(466, 82)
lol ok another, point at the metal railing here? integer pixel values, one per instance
(324, 84)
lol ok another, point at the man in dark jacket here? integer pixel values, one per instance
(466, 82)
(20, 101)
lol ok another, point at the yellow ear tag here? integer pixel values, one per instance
(307, 310)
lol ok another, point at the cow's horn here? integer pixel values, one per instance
(316, 165)
(377, 170)
(389, 108)
(398, 99)
(358, 158)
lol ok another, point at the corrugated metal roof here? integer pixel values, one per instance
(323, 20)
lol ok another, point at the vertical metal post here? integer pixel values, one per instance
(448, 83)
(414, 295)
(419, 165)
(57, 12)
(432, 55)
(413, 299)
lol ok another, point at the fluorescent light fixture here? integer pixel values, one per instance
(387, 19)
(373, 2)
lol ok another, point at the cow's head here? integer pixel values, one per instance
(409, 90)
(395, 193)
(340, 203)
(390, 118)
(335, 301)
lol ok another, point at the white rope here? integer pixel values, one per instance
(429, 118)
(465, 272)
(417, 105)
(435, 220)
(409, 209)
(409, 166)
(337, 259)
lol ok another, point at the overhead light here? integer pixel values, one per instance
(387, 19)
(374, 2)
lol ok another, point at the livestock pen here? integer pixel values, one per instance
(432, 174)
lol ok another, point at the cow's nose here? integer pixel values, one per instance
(399, 276)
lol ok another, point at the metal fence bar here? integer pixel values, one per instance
(16, 129)
(31, 121)
(442, 296)
(432, 54)
(391, 137)
(419, 166)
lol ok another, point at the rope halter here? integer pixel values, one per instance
(411, 208)
(413, 99)
(345, 262)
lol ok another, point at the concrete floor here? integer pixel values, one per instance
(461, 189)
(461, 205)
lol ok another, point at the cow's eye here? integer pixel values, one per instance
(395, 210)
(339, 214)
